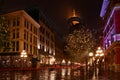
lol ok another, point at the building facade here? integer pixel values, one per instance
(110, 14)
(24, 37)
(46, 35)
(24, 32)
(33, 36)
(47, 44)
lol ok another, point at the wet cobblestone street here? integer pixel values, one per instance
(56, 74)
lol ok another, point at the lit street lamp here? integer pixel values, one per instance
(99, 52)
(90, 54)
(90, 60)
(23, 55)
(99, 59)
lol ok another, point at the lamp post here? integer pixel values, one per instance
(99, 53)
(23, 55)
(90, 61)
(99, 58)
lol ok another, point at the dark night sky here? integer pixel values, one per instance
(58, 11)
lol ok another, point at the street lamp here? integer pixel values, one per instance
(90, 54)
(100, 57)
(99, 52)
(23, 55)
(90, 61)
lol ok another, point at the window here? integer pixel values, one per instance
(40, 37)
(31, 38)
(47, 42)
(17, 33)
(47, 33)
(43, 39)
(43, 48)
(25, 22)
(51, 45)
(8, 22)
(25, 34)
(17, 45)
(35, 30)
(40, 46)
(35, 40)
(31, 49)
(24, 46)
(34, 50)
(13, 46)
(31, 27)
(13, 35)
(14, 22)
(27, 47)
(42, 30)
(18, 21)
(52, 38)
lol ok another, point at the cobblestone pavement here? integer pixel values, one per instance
(106, 75)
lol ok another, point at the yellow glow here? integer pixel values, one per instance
(52, 60)
(38, 46)
(99, 48)
(45, 49)
(101, 54)
(23, 54)
(54, 53)
(75, 22)
(69, 62)
(93, 58)
(63, 61)
(103, 60)
(74, 15)
(90, 54)
(97, 55)
(50, 51)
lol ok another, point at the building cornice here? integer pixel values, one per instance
(104, 7)
(116, 7)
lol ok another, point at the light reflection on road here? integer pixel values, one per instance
(63, 71)
(47, 74)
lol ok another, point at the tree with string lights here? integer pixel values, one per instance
(4, 35)
(79, 42)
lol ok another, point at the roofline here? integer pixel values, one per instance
(117, 6)
(104, 6)
(24, 13)
(30, 17)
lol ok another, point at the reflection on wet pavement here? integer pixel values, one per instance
(54, 74)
